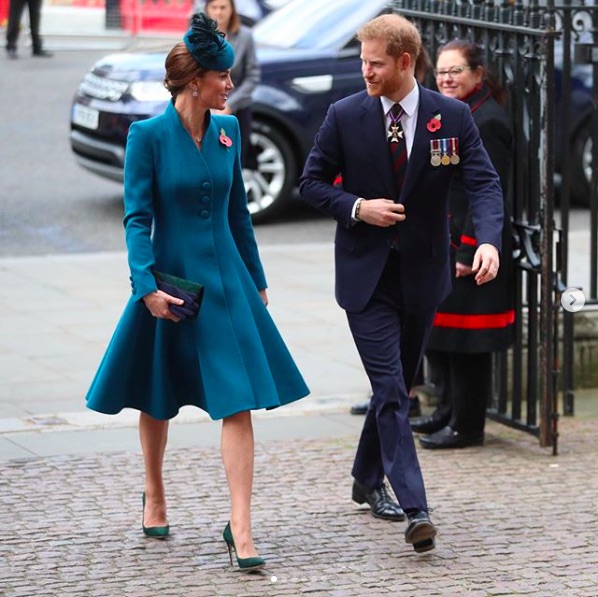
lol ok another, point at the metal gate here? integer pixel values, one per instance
(530, 47)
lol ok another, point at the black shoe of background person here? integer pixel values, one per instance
(41, 53)
(430, 423)
(448, 438)
(11, 53)
(381, 504)
(420, 531)
(414, 407)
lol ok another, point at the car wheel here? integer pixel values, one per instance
(270, 186)
(582, 167)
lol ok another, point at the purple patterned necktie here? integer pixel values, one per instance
(397, 145)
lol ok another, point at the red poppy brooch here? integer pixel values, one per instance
(434, 123)
(224, 139)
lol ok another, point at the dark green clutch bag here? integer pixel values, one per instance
(190, 292)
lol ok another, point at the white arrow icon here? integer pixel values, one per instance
(573, 300)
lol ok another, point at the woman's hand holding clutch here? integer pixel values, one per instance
(158, 304)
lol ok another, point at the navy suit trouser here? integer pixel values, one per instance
(390, 343)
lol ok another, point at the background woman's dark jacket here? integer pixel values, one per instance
(473, 318)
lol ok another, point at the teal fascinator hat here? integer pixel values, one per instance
(208, 45)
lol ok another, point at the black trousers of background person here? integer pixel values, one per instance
(15, 14)
(245, 118)
(390, 344)
(465, 384)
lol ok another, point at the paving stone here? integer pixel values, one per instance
(510, 523)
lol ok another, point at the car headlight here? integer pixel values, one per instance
(315, 84)
(149, 91)
(102, 87)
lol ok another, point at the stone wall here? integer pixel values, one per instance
(585, 347)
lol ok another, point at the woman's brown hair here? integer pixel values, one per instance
(181, 69)
(235, 19)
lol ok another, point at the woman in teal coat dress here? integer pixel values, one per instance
(186, 215)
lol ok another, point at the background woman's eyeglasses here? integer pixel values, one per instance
(455, 71)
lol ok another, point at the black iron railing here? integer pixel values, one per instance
(531, 48)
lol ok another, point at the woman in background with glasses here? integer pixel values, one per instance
(474, 321)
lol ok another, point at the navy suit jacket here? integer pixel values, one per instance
(352, 141)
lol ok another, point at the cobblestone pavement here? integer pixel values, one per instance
(512, 518)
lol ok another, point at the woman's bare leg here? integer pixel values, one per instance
(237, 456)
(153, 435)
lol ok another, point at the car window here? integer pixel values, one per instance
(318, 24)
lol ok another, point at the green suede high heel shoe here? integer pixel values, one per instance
(245, 564)
(156, 532)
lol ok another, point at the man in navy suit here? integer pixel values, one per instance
(392, 243)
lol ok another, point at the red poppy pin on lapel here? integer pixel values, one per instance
(226, 141)
(434, 123)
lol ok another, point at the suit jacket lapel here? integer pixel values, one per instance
(420, 151)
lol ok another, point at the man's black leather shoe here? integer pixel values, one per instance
(381, 504)
(429, 423)
(11, 53)
(447, 437)
(414, 407)
(360, 409)
(420, 532)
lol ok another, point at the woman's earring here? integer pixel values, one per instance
(195, 93)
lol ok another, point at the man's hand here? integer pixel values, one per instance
(381, 212)
(485, 263)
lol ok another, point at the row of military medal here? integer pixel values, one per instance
(444, 151)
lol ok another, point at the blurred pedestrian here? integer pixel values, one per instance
(250, 11)
(186, 215)
(15, 13)
(397, 146)
(474, 321)
(245, 72)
